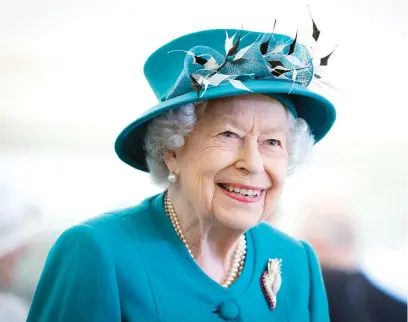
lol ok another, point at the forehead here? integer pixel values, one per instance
(245, 108)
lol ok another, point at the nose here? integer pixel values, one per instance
(250, 158)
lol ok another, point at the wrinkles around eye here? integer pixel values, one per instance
(230, 135)
(273, 143)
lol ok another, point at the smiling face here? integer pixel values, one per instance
(233, 165)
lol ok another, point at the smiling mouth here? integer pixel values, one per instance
(245, 192)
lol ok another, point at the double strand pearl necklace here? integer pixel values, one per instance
(238, 258)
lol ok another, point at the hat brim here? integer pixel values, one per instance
(316, 110)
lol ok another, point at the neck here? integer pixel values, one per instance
(212, 245)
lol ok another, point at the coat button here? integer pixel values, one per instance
(228, 310)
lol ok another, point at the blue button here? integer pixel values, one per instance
(228, 310)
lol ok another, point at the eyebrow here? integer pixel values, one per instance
(233, 121)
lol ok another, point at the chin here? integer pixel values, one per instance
(237, 212)
(238, 220)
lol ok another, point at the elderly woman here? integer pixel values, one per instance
(235, 117)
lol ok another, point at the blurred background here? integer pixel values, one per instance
(71, 77)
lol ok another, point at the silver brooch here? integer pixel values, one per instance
(271, 281)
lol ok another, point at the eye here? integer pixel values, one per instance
(230, 135)
(273, 142)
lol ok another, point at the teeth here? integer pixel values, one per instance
(244, 192)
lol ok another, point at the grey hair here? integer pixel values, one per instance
(167, 132)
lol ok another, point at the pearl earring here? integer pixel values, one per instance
(172, 177)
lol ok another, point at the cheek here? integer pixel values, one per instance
(208, 159)
(198, 170)
(276, 165)
(277, 171)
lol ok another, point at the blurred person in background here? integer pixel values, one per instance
(19, 225)
(354, 295)
(235, 118)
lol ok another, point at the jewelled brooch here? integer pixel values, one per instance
(271, 281)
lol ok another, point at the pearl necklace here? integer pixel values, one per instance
(238, 258)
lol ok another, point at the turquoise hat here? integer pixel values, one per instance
(218, 63)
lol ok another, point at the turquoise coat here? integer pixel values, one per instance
(130, 265)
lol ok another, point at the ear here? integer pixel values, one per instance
(171, 160)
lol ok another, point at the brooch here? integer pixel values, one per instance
(271, 281)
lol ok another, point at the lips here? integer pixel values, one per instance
(242, 193)
(248, 192)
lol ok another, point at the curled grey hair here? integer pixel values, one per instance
(167, 132)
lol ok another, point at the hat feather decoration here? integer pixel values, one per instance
(265, 58)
